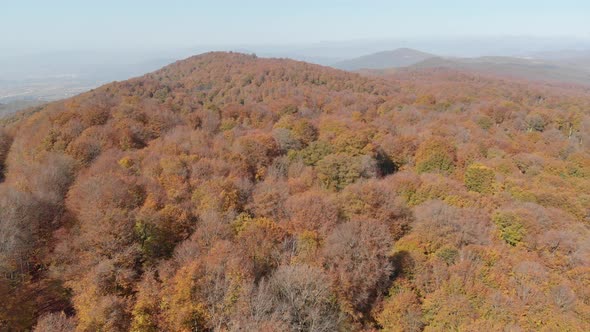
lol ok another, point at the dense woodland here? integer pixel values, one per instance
(230, 193)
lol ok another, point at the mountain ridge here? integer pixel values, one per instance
(401, 57)
(550, 68)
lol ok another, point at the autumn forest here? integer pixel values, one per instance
(227, 192)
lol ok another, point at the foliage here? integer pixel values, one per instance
(511, 229)
(301, 297)
(480, 178)
(401, 312)
(315, 152)
(336, 171)
(435, 155)
(231, 193)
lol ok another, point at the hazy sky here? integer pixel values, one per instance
(33, 25)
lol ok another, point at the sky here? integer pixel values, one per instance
(42, 25)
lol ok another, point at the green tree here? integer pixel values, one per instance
(480, 178)
(435, 155)
(337, 171)
(511, 229)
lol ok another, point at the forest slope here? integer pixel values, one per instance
(227, 192)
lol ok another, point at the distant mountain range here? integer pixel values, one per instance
(33, 79)
(566, 66)
(562, 55)
(527, 68)
(401, 57)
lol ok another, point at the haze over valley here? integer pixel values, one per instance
(33, 79)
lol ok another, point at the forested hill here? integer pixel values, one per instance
(230, 193)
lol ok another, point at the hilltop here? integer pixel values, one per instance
(230, 192)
